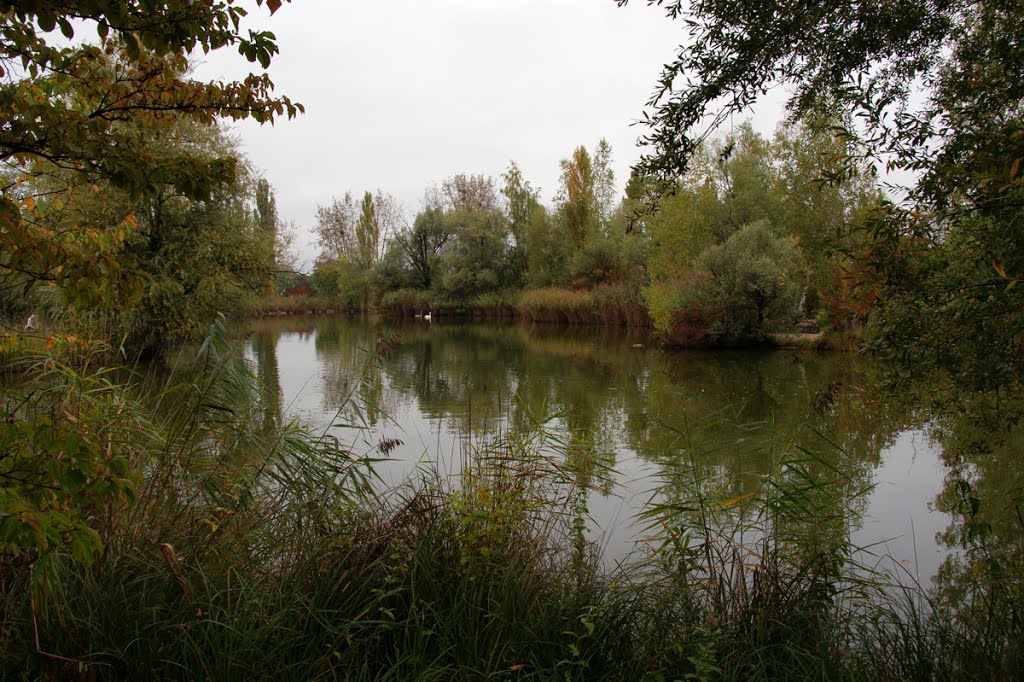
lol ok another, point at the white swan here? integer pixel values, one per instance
(427, 316)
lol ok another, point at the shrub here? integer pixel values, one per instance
(501, 303)
(756, 279)
(620, 304)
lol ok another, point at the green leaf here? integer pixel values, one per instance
(47, 21)
(66, 29)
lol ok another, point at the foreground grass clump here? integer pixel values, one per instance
(252, 550)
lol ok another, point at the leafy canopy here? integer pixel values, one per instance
(930, 87)
(90, 114)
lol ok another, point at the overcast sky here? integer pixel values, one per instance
(401, 94)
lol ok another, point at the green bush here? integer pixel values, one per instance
(756, 279)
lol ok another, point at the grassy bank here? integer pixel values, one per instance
(299, 305)
(252, 550)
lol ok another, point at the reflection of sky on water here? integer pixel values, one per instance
(898, 523)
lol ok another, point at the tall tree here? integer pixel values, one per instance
(266, 208)
(367, 233)
(81, 109)
(604, 181)
(578, 196)
(336, 229)
(521, 202)
(267, 220)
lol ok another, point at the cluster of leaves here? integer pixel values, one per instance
(79, 116)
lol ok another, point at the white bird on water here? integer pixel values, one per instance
(427, 316)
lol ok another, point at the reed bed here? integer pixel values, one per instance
(608, 304)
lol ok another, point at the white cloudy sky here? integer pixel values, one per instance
(401, 94)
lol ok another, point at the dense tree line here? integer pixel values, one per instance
(751, 239)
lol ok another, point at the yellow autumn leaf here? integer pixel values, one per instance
(736, 500)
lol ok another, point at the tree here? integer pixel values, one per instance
(604, 182)
(266, 208)
(925, 87)
(477, 257)
(756, 280)
(548, 252)
(367, 233)
(82, 119)
(358, 233)
(465, 193)
(336, 228)
(198, 258)
(476, 260)
(521, 201)
(853, 54)
(77, 113)
(390, 221)
(579, 201)
(430, 232)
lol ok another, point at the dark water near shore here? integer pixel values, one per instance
(727, 416)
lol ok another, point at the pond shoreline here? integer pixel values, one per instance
(313, 307)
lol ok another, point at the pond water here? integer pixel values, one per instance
(728, 416)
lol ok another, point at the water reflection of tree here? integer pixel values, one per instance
(979, 589)
(749, 401)
(264, 349)
(612, 395)
(353, 380)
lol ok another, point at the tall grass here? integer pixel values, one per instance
(259, 551)
(407, 302)
(608, 304)
(300, 305)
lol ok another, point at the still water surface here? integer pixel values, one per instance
(729, 414)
